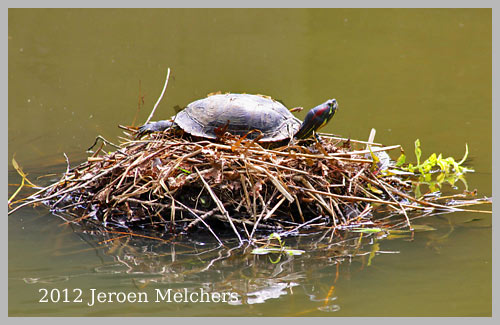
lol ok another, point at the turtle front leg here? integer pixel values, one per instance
(154, 127)
(320, 144)
(318, 138)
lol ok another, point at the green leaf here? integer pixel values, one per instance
(401, 160)
(440, 178)
(375, 249)
(374, 189)
(414, 227)
(418, 192)
(394, 236)
(442, 164)
(431, 160)
(266, 250)
(276, 260)
(465, 155)
(418, 151)
(367, 230)
(260, 251)
(294, 251)
(422, 228)
(275, 235)
(434, 187)
(184, 170)
(275, 250)
(462, 179)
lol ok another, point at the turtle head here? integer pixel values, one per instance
(316, 118)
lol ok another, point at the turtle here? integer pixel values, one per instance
(239, 114)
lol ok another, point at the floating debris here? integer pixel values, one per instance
(168, 185)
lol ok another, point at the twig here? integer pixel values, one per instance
(358, 198)
(219, 205)
(100, 137)
(280, 186)
(300, 226)
(270, 213)
(159, 99)
(201, 219)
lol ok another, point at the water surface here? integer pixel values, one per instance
(75, 74)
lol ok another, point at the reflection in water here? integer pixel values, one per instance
(191, 264)
(268, 290)
(48, 279)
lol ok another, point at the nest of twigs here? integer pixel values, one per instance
(179, 185)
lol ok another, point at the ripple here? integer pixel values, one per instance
(329, 308)
(47, 279)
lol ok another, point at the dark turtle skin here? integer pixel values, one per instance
(239, 114)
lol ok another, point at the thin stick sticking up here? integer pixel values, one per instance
(371, 138)
(159, 99)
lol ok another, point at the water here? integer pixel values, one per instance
(74, 74)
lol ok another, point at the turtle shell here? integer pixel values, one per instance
(241, 113)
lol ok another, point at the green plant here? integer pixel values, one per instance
(279, 249)
(445, 170)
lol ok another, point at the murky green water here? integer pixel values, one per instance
(410, 74)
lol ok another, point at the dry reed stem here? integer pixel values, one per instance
(159, 98)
